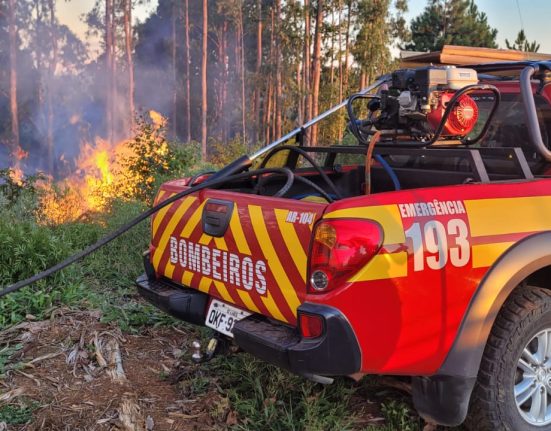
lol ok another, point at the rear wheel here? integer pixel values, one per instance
(513, 389)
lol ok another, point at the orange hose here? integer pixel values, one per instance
(369, 159)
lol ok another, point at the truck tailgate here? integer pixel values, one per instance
(244, 249)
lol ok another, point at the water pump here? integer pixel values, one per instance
(426, 105)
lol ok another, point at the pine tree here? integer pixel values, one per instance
(521, 43)
(451, 22)
(13, 78)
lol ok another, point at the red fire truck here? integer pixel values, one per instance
(422, 249)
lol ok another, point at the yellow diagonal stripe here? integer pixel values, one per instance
(246, 298)
(509, 215)
(292, 242)
(272, 307)
(269, 252)
(193, 221)
(186, 278)
(222, 289)
(220, 286)
(238, 234)
(220, 242)
(388, 216)
(160, 215)
(384, 266)
(243, 248)
(486, 254)
(174, 220)
(159, 197)
(205, 239)
(204, 284)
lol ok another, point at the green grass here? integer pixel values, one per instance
(264, 397)
(18, 414)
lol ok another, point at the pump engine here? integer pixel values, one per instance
(414, 103)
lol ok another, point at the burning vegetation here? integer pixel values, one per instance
(104, 172)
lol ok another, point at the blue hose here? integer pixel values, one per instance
(389, 171)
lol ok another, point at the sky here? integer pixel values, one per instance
(508, 16)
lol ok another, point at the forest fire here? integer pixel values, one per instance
(16, 172)
(99, 178)
(104, 172)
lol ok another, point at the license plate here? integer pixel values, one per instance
(222, 317)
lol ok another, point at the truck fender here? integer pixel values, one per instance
(444, 397)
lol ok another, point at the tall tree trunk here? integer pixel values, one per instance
(279, 87)
(258, 70)
(204, 82)
(225, 65)
(39, 47)
(188, 78)
(13, 81)
(332, 65)
(242, 72)
(114, 86)
(300, 110)
(49, 95)
(129, 60)
(340, 130)
(306, 69)
(347, 48)
(174, 71)
(109, 71)
(316, 71)
(268, 110)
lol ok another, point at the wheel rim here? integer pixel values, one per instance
(532, 386)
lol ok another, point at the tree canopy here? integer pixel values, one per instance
(451, 22)
(521, 43)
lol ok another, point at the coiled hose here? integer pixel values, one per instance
(145, 215)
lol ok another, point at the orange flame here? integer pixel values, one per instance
(102, 174)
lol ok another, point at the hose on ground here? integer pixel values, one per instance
(145, 215)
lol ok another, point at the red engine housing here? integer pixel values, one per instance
(462, 118)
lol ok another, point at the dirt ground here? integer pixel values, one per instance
(86, 375)
(80, 374)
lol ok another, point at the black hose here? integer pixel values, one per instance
(309, 159)
(322, 192)
(113, 235)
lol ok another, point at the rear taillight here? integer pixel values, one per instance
(340, 249)
(310, 325)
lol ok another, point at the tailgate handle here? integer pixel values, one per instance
(216, 217)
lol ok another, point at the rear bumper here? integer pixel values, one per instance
(336, 352)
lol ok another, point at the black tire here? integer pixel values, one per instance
(526, 313)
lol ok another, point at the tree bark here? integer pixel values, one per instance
(347, 47)
(114, 87)
(279, 87)
(267, 110)
(306, 70)
(109, 64)
(188, 78)
(242, 72)
(225, 65)
(129, 60)
(39, 49)
(49, 94)
(13, 81)
(204, 83)
(316, 72)
(340, 130)
(258, 70)
(174, 72)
